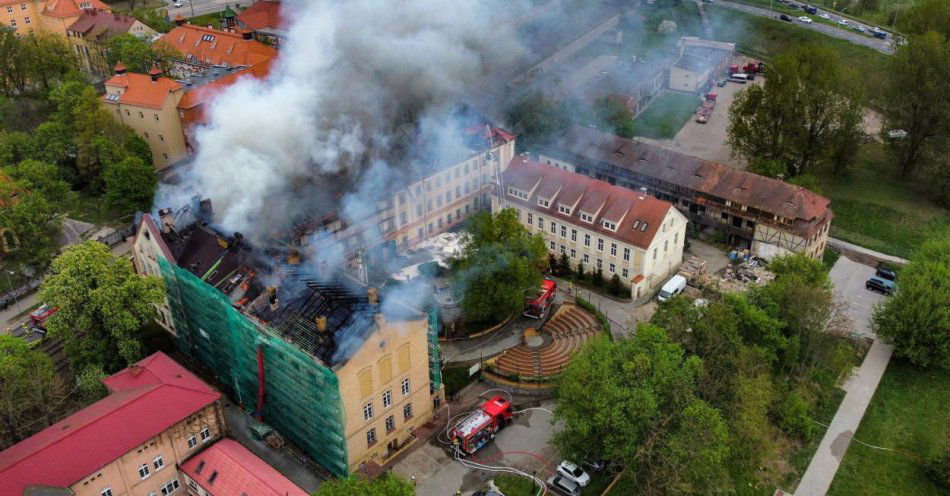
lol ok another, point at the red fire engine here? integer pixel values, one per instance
(537, 307)
(480, 427)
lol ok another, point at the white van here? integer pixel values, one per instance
(740, 78)
(673, 287)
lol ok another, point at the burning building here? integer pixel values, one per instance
(345, 372)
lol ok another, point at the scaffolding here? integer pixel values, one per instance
(435, 367)
(302, 398)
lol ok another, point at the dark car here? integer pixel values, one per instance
(785, 18)
(882, 286)
(486, 493)
(885, 273)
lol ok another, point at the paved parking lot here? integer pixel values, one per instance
(849, 277)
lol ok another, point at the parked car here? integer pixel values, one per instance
(785, 18)
(177, 3)
(721, 83)
(805, 19)
(882, 286)
(882, 35)
(564, 486)
(859, 28)
(824, 16)
(487, 493)
(843, 22)
(811, 9)
(673, 287)
(885, 273)
(574, 473)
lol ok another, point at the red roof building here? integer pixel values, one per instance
(153, 418)
(70, 8)
(266, 19)
(228, 469)
(201, 48)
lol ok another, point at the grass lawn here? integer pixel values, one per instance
(909, 412)
(666, 115)
(90, 209)
(874, 210)
(511, 485)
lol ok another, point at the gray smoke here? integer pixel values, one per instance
(350, 72)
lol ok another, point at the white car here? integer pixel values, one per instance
(805, 19)
(574, 473)
(824, 16)
(843, 22)
(177, 3)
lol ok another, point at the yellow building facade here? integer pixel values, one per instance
(20, 15)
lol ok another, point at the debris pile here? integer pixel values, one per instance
(692, 268)
(737, 277)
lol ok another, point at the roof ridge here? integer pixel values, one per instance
(265, 481)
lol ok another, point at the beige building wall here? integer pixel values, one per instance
(93, 55)
(161, 128)
(770, 241)
(21, 15)
(442, 200)
(160, 455)
(394, 354)
(145, 253)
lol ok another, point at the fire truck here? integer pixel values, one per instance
(480, 427)
(537, 307)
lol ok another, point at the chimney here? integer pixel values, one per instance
(643, 193)
(247, 34)
(168, 220)
(373, 296)
(380, 320)
(135, 370)
(155, 73)
(293, 257)
(120, 68)
(180, 20)
(321, 322)
(272, 298)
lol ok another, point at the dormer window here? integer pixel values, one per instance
(517, 193)
(610, 225)
(564, 209)
(544, 203)
(587, 217)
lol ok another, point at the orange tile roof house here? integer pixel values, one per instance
(201, 48)
(266, 19)
(628, 233)
(228, 469)
(57, 15)
(148, 104)
(93, 29)
(130, 442)
(768, 216)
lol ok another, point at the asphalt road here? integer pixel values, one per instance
(883, 46)
(198, 7)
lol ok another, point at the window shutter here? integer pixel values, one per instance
(404, 358)
(366, 382)
(385, 369)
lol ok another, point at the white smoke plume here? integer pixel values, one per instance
(278, 150)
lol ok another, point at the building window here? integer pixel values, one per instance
(388, 399)
(192, 441)
(458, 190)
(156, 117)
(429, 205)
(370, 437)
(613, 249)
(438, 201)
(587, 240)
(586, 258)
(654, 253)
(128, 113)
(205, 433)
(430, 228)
(544, 203)
(407, 411)
(165, 156)
(403, 219)
(390, 423)
(612, 268)
(600, 244)
(573, 253)
(626, 272)
(419, 210)
(405, 386)
(191, 484)
(9, 9)
(552, 245)
(368, 411)
(676, 238)
(448, 196)
(563, 231)
(564, 210)
(530, 218)
(26, 20)
(22, 6)
(666, 245)
(141, 115)
(626, 254)
(573, 234)
(540, 222)
(563, 250)
(600, 264)
(586, 217)
(170, 487)
(106, 492)
(553, 227)
(161, 138)
(146, 135)
(610, 225)
(143, 471)
(158, 463)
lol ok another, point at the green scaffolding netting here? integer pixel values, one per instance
(435, 369)
(302, 399)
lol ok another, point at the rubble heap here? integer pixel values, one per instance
(737, 277)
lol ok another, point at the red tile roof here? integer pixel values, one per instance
(263, 14)
(140, 90)
(69, 8)
(205, 93)
(776, 197)
(239, 472)
(102, 25)
(627, 208)
(216, 47)
(147, 399)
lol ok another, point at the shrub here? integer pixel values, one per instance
(794, 415)
(938, 470)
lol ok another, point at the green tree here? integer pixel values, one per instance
(130, 185)
(31, 395)
(385, 485)
(633, 401)
(614, 286)
(499, 265)
(535, 118)
(807, 103)
(924, 16)
(917, 318)
(616, 116)
(30, 217)
(102, 304)
(32, 64)
(41, 177)
(153, 18)
(14, 147)
(53, 142)
(134, 52)
(917, 103)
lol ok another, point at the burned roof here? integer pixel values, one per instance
(626, 78)
(773, 196)
(205, 253)
(699, 58)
